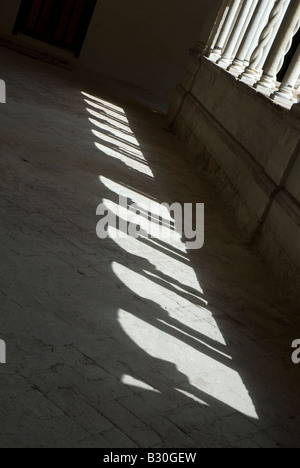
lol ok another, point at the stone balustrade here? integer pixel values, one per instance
(250, 40)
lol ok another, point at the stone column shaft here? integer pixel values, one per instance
(227, 55)
(280, 47)
(250, 36)
(286, 90)
(217, 26)
(265, 41)
(225, 31)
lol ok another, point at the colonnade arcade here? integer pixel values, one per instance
(251, 39)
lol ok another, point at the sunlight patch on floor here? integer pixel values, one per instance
(139, 384)
(114, 136)
(169, 320)
(206, 374)
(104, 103)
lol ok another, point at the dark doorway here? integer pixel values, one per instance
(63, 23)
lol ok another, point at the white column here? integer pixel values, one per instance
(245, 27)
(238, 64)
(269, 32)
(269, 46)
(227, 55)
(297, 88)
(285, 94)
(218, 25)
(225, 31)
(262, 24)
(280, 48)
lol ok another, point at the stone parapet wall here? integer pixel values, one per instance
(249, 147)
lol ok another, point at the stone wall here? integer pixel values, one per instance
(249, 147)
(144, 44)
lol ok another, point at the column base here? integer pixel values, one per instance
(224, 62)
(247, 80)
(237, 67)
(284, 98)
(266, 85)
(250, 76)
(263, 90)
(214, 55)
(286, 92)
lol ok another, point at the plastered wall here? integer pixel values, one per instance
(141, 43)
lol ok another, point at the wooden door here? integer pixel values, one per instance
(63, 23)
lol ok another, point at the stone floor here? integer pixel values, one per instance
(126, 342)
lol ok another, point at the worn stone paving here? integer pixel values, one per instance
(126, 342)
